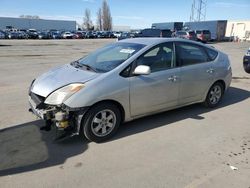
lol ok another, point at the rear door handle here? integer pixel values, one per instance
(210, 71)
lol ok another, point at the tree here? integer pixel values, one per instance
(87, 23)
(99, 19)
(30, 16)
(106, 16)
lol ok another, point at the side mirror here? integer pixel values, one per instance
(142, 70)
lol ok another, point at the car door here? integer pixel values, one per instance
(158, 90)
(196, 72)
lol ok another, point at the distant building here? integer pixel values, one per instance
(39, 24)
(238, 29)
(174, 26)
(216, 27)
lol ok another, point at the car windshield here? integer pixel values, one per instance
(191, 33)
(181, 33)
(206, 32)
(111, 56)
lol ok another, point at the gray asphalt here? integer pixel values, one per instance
(189, 147)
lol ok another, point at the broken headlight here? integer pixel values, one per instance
(62, 94)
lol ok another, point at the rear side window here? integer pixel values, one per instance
(190, 54)
(211, 53)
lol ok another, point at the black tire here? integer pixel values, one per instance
(90, 125)
(246, 67)
(214, 98)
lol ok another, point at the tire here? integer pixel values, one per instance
(214, 95)
(247, 67)
(101, 122)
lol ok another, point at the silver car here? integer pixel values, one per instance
(126, 80)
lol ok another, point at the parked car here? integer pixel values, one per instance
(155, 33)
(90, 35)
(246, 61)
(125, 35)
(100, 34)
(55, 34)
(32, 33)
(44, 35)
(68, 35)
(190, 35)
(109, 34)
(203, 35)
(17, 35)
(80, 34)
(117, 34)
(126, 80)
(12, 35)
(3, 35)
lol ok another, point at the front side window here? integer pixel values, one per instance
(158, 58)
(190, 54)
(111, 56)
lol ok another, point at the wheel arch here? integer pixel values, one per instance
(222, 82)
(119, 105)
(217, 81)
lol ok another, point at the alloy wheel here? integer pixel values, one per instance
(215, 94)
(103, 123)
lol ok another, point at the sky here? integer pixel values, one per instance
(135, 13)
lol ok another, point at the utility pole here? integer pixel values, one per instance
(198, 10)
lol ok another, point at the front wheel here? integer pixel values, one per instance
(101, 122)
(214, 95)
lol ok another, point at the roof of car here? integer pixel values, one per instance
(153, 40)
(150, 41)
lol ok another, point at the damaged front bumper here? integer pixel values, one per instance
(63, 117)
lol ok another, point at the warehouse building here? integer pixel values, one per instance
(238, 29)
(174, 26)
(39, 24)
(216, 27)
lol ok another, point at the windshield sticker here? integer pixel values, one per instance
(127, 51)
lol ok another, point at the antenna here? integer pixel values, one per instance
(198, 10)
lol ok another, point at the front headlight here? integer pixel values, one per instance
(62, 94)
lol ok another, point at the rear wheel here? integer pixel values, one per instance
(214, 95)
(101, 122)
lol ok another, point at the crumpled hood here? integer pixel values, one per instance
(59, 77)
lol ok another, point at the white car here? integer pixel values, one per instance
(68, 35)
(117, 34)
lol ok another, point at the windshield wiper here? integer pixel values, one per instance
(77, 64)
(88, 67)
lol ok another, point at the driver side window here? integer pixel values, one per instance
(158, 58)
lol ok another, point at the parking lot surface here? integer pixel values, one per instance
(188, 147)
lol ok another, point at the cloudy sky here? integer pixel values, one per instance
(134, 13)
